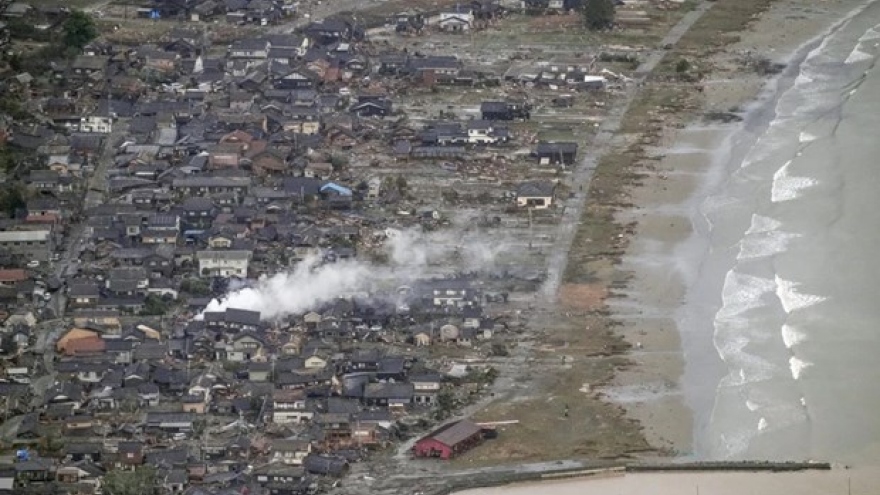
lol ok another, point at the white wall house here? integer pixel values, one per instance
(289, 406)
(232, 263)
(33, 244)
(96, 123)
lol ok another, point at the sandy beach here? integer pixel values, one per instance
(676, 175)
(834, 482)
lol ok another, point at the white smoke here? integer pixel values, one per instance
(312, 283)
(306, 286)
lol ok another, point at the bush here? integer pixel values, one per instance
(599, 14)
(682, 66)
(500, 350)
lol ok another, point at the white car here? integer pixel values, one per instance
(33, 264)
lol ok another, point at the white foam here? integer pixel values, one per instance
(736, 443)
(762, 224)
(764, 244)
(803, 79)
(857, 55)
(787, 187)
(762, 424)
(870, 34)
(797, 367)
(752, 406)
(791, 336)
(744, 368)
(806, 137)
(791, 298)
(741, 293)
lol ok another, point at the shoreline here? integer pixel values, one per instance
(840, 481)
(666, 251)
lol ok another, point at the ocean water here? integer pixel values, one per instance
(781, 327)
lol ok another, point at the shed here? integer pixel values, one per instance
(449, 440)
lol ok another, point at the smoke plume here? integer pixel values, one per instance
(313, 283)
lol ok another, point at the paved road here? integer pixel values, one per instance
(599, 147)
(95, 195)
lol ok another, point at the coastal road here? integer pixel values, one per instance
(601, 144)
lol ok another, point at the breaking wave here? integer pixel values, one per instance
(791, 336)
(791, 298)
(787, 187)
(798, 366)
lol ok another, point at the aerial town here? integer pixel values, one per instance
(264, 243)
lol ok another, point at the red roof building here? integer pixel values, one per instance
(45, 218)
(449, 440)
(84, 346)
(12, 276)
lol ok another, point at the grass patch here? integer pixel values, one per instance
(719, 26)
(564, 418)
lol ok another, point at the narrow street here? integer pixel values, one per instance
(95, 195)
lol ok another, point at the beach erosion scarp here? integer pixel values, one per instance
(679, 363)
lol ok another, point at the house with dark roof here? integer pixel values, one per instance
(500, 110)
(535, 194)
(391, 395)
(325, 465)
(372, 106)
(556, 153)
(329, 31)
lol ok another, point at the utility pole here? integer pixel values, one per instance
(531, 233)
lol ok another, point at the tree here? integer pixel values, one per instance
(15, 62)
(138, 482)
(79, 29)
(50, 445)
(11, 199)
(599, 14)
(8, 346)
(195, 287)
(154, 306)
(445, 401)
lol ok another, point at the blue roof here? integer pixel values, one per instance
(336, 187)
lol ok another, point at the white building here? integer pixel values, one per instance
(231, 263)
(461, 18)
(289, 406)
(96, 123)
(33, 244)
